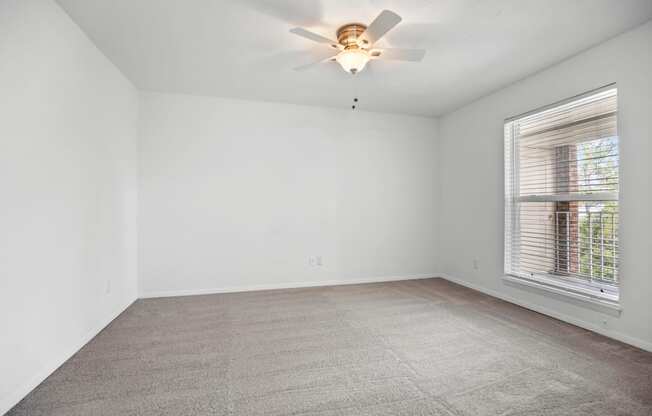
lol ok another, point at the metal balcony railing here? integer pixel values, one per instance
(586, 244)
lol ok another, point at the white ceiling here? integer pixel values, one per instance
(242, 48)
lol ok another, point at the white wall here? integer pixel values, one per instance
(238, 195)
(68, 192)
(471, 169)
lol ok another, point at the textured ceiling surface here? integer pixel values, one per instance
(243, 49)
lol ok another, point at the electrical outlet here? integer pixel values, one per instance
(108, 287)
(476, 264)
(315, 261)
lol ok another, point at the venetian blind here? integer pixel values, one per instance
(561, 190)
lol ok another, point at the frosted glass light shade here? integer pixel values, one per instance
(353, 60)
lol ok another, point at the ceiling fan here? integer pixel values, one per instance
(355, 42)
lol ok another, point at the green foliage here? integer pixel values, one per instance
(598, 221)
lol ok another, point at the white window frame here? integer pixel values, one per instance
(592, 291)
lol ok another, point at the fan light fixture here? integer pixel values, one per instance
(353, 60)
(355, 44)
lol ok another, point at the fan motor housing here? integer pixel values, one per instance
(348, 34)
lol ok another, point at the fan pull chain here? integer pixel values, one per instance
(355, 93)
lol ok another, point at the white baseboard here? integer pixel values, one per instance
(627, 339)
(285, 285)
(8, 402)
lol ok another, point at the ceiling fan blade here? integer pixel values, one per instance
(385, 22)
(397, 54)
(314, 37)
(312, 64)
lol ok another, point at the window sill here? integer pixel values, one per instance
(592, 297)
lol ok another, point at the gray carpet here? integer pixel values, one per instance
(424, 347)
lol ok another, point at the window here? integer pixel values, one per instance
(561, 195)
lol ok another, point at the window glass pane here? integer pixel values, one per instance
(562, 182)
